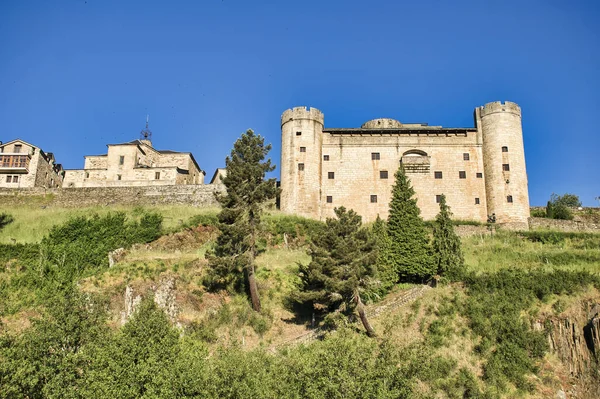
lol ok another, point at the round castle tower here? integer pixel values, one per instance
(504, 162)
(301, 140)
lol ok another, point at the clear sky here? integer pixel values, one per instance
(76, 75)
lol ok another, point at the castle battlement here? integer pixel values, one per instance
(499, 106)
(302, 113)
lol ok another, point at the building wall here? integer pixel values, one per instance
(139, 168)
(356, 176)
(40, 172)
(192, 195)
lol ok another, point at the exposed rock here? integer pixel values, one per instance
(115, 256)
(131, 303)
(165, 296)
(561, 394)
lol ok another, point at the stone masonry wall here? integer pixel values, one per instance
(193, 195)
(563, 225)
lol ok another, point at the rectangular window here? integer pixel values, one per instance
(373, 199)
(121, 160)
(462, 174)
(383, 174)
(87, 175)
(375, 156)
(479, 175)
(476, 201)
(438, 175)
(505, 149)
(156, 175)
(301, 167)
(331, 175)
(118, 177)
(18, 148)
(438, 199)
(302, 149)
(15, 179)
(329, 199)
(505, 167)
(509, 199)
(466, 156)
(325, 157)
(9, 179)
(298, 133)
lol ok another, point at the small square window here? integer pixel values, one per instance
(331, 175)
(476, 201)
(466, 156)
(505, 149)
(121, 160)
(383, 174)
(156, 175)
(118, 177)
(298, 133)
(301, 167)
(375, 156)
(462, 174)
(302, 149)
(15, 179)
(438, 199)
(438, 175)
(373, 199)
(479, 175)
(509, 199)
(9, 179)
(505, 167)
(329, 199)
(325, 157)
(17, 148)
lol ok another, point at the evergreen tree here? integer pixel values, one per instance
(342, 267)
(408, 250)
(386, 273)
(233, 261)
(448, 257)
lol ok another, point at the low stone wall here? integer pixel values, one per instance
(563, 225)
(193, 195)
(471, 230)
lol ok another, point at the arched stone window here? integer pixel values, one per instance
(415, 161)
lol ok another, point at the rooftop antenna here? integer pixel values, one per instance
(146, 133)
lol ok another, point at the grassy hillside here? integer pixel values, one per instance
(469, 339)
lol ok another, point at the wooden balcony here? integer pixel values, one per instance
(14, 163)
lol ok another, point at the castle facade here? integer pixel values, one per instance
(481, 169)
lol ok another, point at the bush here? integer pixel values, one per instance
(5, 219)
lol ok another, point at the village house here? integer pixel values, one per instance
(24, 165)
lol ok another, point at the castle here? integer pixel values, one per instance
(480, 169)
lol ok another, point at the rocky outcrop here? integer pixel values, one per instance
(116, 256)
(164, 295)
(576, 342)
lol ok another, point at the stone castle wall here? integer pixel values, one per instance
(193, 195)
(563, 225)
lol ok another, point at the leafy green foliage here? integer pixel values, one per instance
(47, 360)
(386, 273)
(5, 219)
(558, 206)
(342, 267)
(233, 262)
(447, 255)
(494, 307)
(408, 249)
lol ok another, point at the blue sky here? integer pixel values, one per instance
(76, 75)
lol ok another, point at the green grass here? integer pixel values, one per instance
(31, 223)
(507, 249)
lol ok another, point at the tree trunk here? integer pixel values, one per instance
(253, 288)
(360, 308)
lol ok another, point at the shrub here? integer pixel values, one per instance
(5, 219)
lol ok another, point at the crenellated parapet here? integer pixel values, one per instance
(298, 113)
(499, 106)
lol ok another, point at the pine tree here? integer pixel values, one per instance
(233, 261)
(408, 250)
(386, 273)
(342, 267)
(448, 257)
